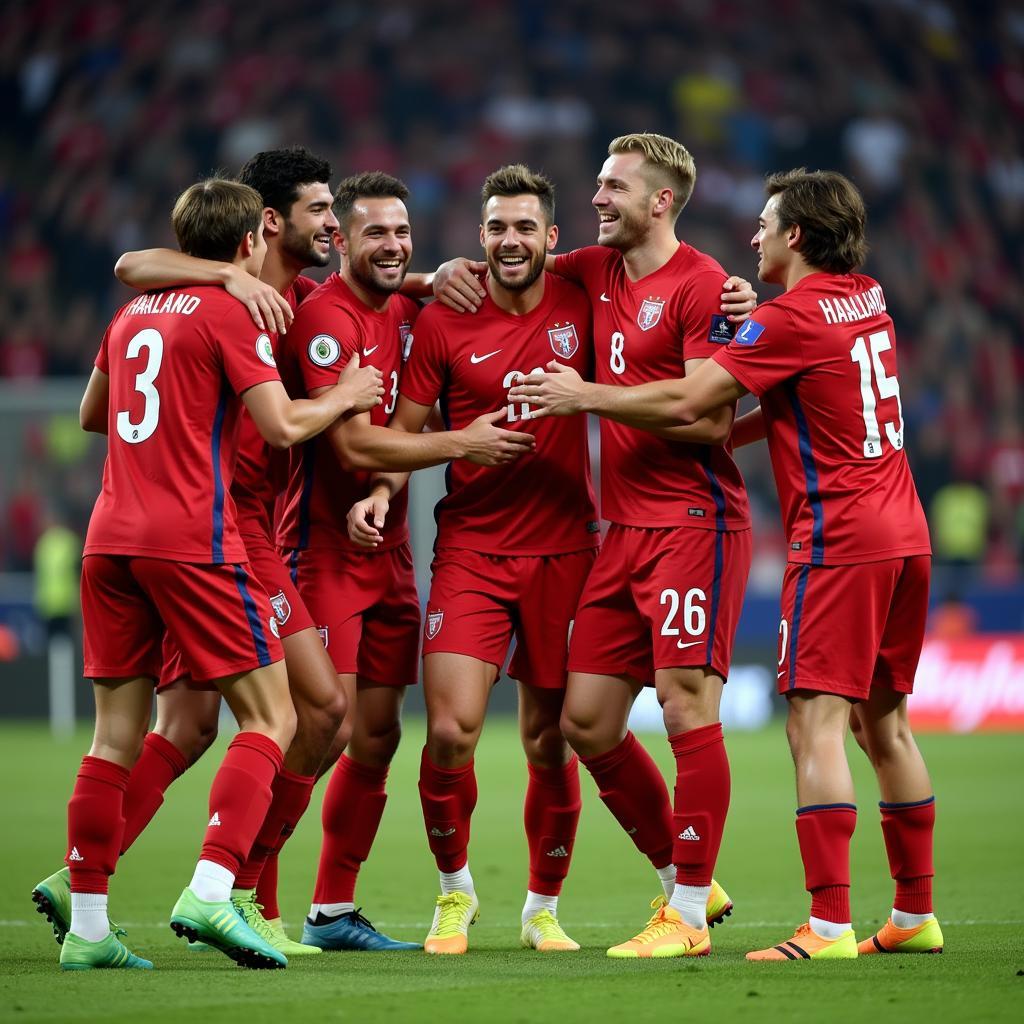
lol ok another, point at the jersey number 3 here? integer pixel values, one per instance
(153, 342)
(888, 387)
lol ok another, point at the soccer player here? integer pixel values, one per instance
(163, 553)
(514, 546)
(822, 359)
(298, 224)
(365, 604)
(664, 599)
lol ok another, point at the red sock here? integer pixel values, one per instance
(551, 813)
(824, 832)
(634, 790)
(95, 824)
(701, 802)
(290, 794)
(908, 830)
(239, 798)
(351, 813)
(159, 764)
(266, 889)
(448, 797)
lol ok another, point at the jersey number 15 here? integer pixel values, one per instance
(888, 387)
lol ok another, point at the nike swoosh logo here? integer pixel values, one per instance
(692, 643)
(474, 358)
(604, 298)
(779, 675)
(370, 351)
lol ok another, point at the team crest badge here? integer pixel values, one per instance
(322, 630)
(405, 340)
(564, 341)
(282, 609)
(265, 350)
(434, 620)
(649, 313)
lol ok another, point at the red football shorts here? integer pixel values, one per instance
(477, 602)
(269, 568)
(661, 598)
(847, 628)
(289, 611)
(367, 609)
(218, 616)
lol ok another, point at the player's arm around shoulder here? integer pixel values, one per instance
(148, 269)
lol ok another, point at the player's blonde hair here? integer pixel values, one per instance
(519, 180)
(670, 162)
(211, 217)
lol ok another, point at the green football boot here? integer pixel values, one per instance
(252, 913)
(110, 953)
(220, 925)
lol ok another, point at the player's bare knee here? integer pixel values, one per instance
(586, 735)
(450, 742)
(376, 746)
(546, 749)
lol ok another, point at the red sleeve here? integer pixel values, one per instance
(580, 264)
(766, 350)
(247, 353)
(321, 340)
(103, 357)
(705, 327)
(426, 369)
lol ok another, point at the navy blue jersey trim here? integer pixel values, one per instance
(217, 538)
(810, 477)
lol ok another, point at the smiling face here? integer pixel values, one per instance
(377, 242)
(773, 245)
(516, 238)
(307, 231)
(624, 201)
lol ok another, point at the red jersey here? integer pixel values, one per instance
(822, 359)
(261, 472)
(177, 361)
(645, 330)
(330, 326)
(543, 503)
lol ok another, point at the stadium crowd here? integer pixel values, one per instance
(112, 109)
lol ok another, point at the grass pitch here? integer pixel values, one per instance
(980, 901)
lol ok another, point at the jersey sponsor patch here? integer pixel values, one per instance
(749, 333)
(265, 350)
(722, 331)
(564, 341)
(282, 608)
(696, 513)
(324, 350)
(649, 313)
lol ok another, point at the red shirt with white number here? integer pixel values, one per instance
(543, 503)
(177, 362)
(646, 330)
(261, 472)
(822, 357)
(331, 325)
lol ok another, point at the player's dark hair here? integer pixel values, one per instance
(830, 213)
(368, 185)
(211, 217)
(519, 180)
(278, 174)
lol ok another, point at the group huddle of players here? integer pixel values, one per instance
(250, 543)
